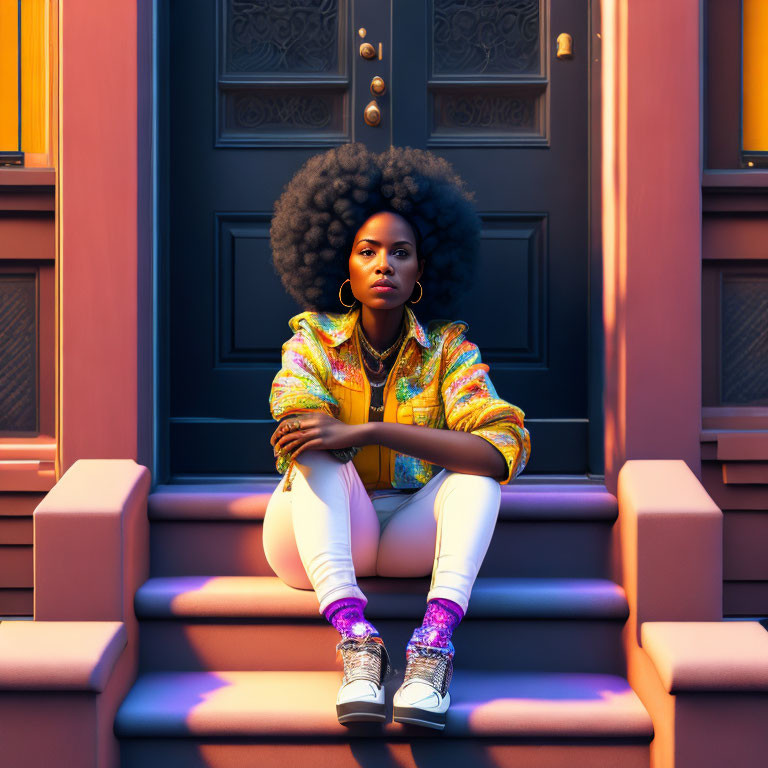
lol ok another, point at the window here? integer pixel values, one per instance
(754, 100)
(736, 82)
(27, 34)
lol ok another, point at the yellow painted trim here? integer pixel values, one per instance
(755, 62)
(38, 50)
(34, 80)
(8, 75)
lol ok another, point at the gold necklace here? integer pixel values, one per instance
(375, 353)
(379, 356)
(375, 385)
(380, 382)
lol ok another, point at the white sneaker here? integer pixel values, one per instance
(366, 665)
(423, 698)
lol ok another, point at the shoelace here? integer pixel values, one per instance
(431, 666)
(362, 660)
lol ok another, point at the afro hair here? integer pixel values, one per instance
(330, 197)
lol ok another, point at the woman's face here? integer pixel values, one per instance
(384, 251)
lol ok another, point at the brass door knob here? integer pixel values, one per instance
(372, 114)
(367, 51)
(378, 86)
(564, 46)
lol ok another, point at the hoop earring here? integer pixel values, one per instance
(341, 301)
(421, 293)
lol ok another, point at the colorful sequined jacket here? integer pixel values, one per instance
(437, 380)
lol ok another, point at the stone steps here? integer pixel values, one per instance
(238, 669)
(544, 529)
(226, 719)
(258, 623)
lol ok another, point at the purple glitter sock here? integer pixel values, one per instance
(346, 615)
(440, 620)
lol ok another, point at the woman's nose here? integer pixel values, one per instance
(382, 264)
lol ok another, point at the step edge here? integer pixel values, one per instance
(132, 718)
(154, 598)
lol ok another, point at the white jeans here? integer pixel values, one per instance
(328, 529)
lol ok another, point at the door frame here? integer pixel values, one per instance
(594, 367)
(596, 362)
(129, 394)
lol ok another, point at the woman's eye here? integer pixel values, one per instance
(400, 252)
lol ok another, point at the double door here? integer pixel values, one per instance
(252, 88)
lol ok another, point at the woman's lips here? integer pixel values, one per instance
(383, 288)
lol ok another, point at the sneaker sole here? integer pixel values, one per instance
(417, 716)
(361, 711)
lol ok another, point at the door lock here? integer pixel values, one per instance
(372, 113)
(378, 86)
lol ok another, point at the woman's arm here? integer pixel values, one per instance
(299, 384)
(473, 406)
(456, 451)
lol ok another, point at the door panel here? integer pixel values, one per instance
(256, 87)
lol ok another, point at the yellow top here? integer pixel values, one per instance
(437, 380)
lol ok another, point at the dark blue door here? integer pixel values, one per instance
(252, 88)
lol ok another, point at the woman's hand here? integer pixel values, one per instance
(314, 431)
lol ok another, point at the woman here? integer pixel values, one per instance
(392, 440)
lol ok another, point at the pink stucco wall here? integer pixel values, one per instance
(98, 217)
(651, 232)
